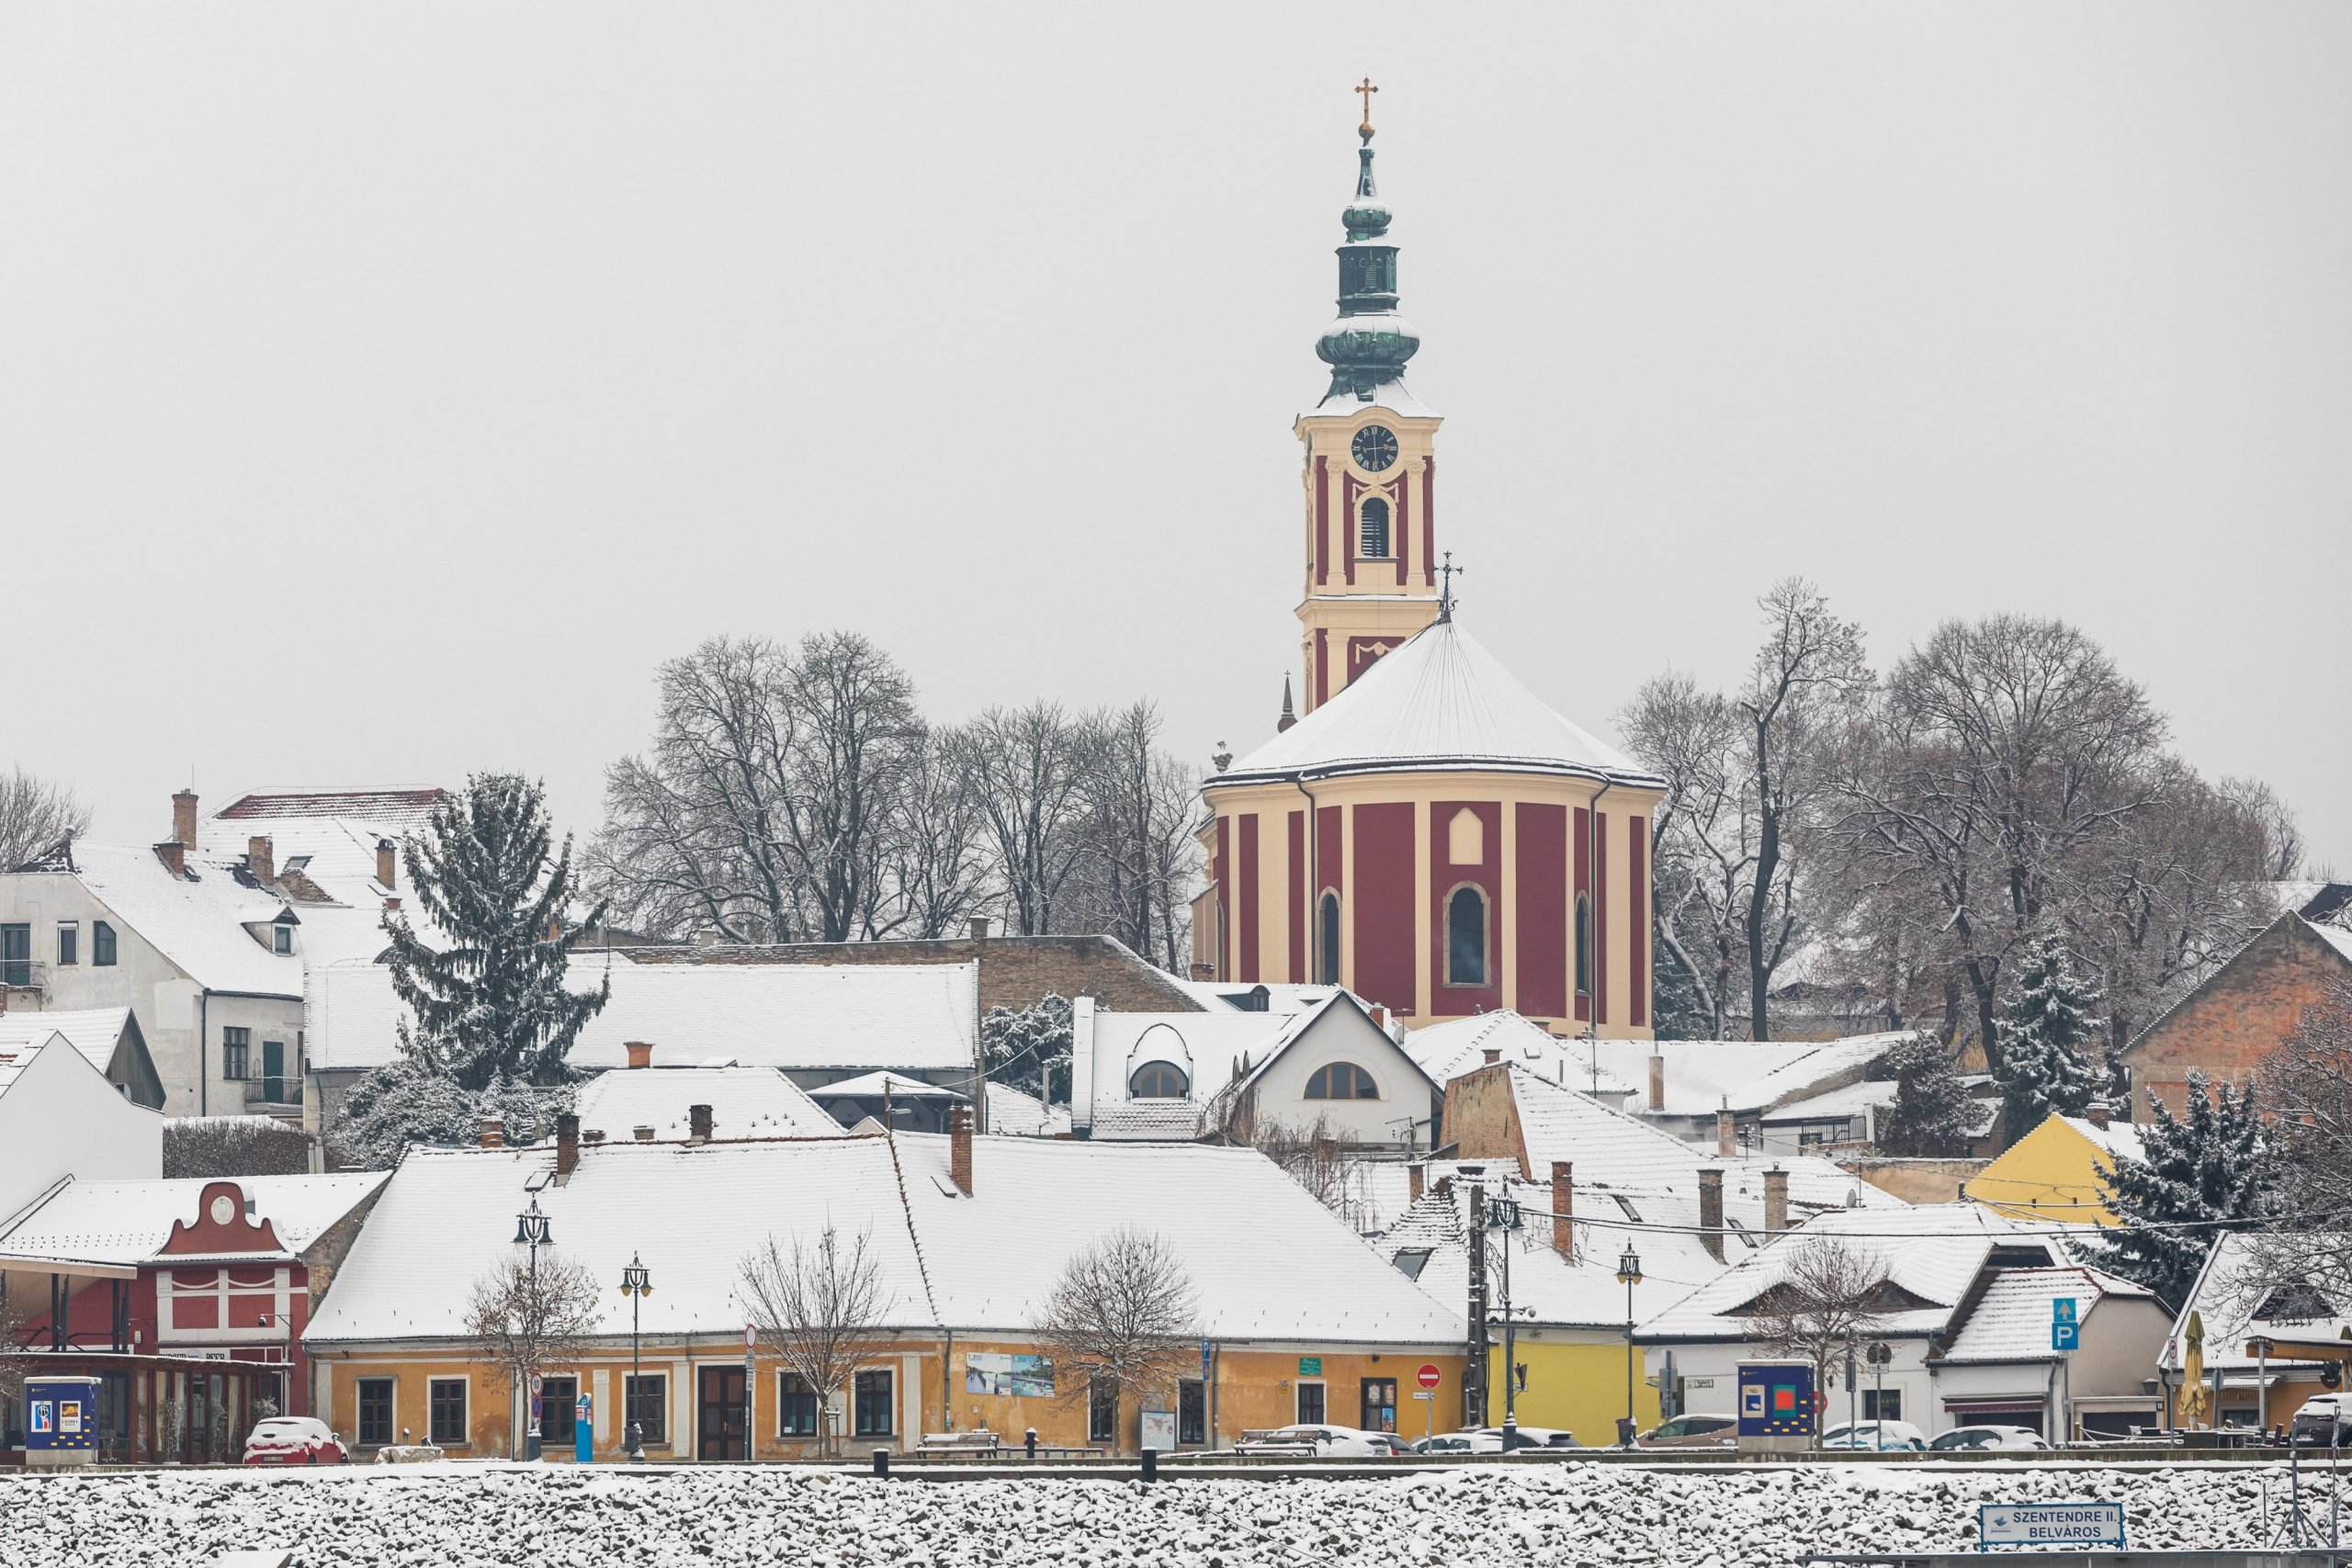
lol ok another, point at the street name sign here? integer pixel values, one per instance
(2050, 1524)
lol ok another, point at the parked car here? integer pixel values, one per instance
(2324, 1421)
(1881, 1436)
(1692, 1432)
(1317, 1438)
(1970, 1438)
(1461, 1443)
(295, 1440)
(1389, 1444)
(1532, 1437)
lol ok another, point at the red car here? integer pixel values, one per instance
(295, 1440)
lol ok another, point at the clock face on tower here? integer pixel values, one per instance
(1375, 448)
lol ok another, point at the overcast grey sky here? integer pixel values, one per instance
(384, 390)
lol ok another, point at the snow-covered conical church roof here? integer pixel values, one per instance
(1441, 703)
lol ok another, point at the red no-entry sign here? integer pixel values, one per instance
(1427, 1376)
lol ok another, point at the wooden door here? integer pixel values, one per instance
(718, 1432)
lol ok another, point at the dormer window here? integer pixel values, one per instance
(281, 938)
(1158, 1081)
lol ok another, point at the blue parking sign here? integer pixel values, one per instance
(2065, 1336)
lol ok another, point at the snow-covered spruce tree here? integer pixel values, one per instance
(2211, 1164)
(1932, 1113)
(2047, 1061)
(491, 1004)
(1029, 1049)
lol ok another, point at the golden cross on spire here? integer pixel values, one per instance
(1365, 90)
(1445, 594)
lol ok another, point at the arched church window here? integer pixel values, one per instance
(1584, 945)
(1375, 545)
(1465, 937)
(1341, 1080)
(1327, 954)
(1158, 1081)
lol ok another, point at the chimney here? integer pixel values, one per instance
(567, 1145)
(640, 1053)
(184, 819)
(642, 1135)
(1710, 1212)
(980, 928)
(261, 857)
(174, 854)
(386, 862)
(1726, 1134)
(1415, 1177)
(392, 906)
(1380, 1018)
(1657, 1081)
(1204, 972)
(1563, 1209)
(697, 1124)
(1776, 1201)
(2098, 1110)
(494, 1133)
(1493, 1055)
(960, 1148)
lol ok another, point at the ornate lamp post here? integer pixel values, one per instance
(1504, 1215)
(1629, 1274)
(637, 1284)
(532, 1231)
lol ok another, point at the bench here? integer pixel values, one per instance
(982, 1441)
(1262, 1441)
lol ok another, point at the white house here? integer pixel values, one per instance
(1179, 1076)
(108, 1038)
(61, 1118)
(208, 935)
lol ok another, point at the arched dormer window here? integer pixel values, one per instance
(1327, 954)
(1584, 945)
(1159, 1080)
(1373, 536)
(1465, 937)
(1341, 1080)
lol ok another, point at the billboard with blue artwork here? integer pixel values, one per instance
(1776, 1399)
(1022, 1377)
(62, 1417)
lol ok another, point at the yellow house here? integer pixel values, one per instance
(2053, 1173)
(966, 1235)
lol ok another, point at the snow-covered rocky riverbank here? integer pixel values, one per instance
(1569, 1513)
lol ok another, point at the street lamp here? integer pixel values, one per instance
(532, 1231)
(637, 1283)
(1629, 1274)
(1503, 1213)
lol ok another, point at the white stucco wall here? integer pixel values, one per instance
(1343, 1034)
(60, 1117)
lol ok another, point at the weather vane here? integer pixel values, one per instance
(1365, 89)
(1445, 593)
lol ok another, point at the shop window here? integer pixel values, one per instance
(1882, 1405)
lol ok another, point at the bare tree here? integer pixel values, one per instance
(1702, 851)
(525, 1318)
(1831, 1294)
(769, 807)
(936, 869)
(1027, 768)
(1120, 1320)
(1136, 857)
(36, 817)
(820, 1306)
(2307, 1081)
(1320, 1159)
(234, 1145)
(2005, 752)
(2276, 830)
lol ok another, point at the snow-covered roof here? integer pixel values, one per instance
(1268, 1261)
(128, 1222)
(1446, 1051)
(745, 1102)
(1932, 1252)
(1583, 1292)
(797, 1017)
(2010, 1318)
(2242, 1292)
(1612, 1149)
(1014, 1114)
(93, 1032)
(1701, 1076)
(1389, 394)
(1211, 1048)
(198, 921)
(404, 807)
(1438, 701)
(898, 1085)
(2120, 1140)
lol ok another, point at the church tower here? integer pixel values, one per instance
(1429, 832)
(1371, 471)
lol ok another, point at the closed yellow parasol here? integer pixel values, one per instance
(2192, 1372)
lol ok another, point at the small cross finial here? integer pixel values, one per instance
(1364, 89)
(1445, 593)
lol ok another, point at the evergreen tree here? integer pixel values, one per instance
(491, 1006)
(2212, 1164)
(1932, 1115)
(2047, 1061)
(1030, 1049)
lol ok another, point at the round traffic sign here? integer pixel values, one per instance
(1428, 1376)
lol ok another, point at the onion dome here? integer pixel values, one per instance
(1368, 345)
